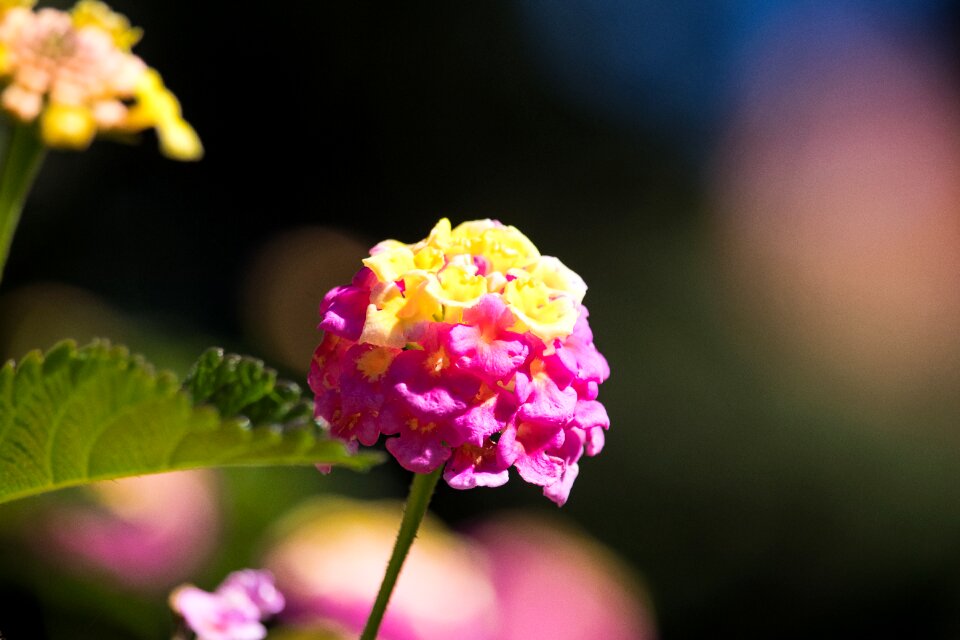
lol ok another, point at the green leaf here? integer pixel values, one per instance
(78, 415)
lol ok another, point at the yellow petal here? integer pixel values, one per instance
(536, 310)
(558, 276)
(179, 141)
(391, 262)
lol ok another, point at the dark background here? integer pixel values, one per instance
(763, 476)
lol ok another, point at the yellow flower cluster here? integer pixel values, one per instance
(437, 278)
(74, 72)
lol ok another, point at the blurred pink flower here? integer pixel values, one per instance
(553, 583)
(146, 533)
(329, 557)
(514, 578)
(837, 197)
(234, 611)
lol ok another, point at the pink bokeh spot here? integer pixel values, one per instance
(147, 533)
(580, 591)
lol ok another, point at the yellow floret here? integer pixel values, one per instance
(91, 13)
(391, 262)
(459, 285)
(439, 237)
(556, 275)
(395, 317)
(67, 126)
(547, 317)
(429, 259)
(504, 246)
(178, 140)
(157, 107)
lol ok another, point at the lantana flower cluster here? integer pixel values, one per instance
(468, 349)
(75, 73)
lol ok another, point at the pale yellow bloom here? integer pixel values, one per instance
(74, 72)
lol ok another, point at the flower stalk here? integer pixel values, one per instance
(421, 490)
(23, 157)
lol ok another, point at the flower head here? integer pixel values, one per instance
(473, 350)
(74, 74)
(234, 611)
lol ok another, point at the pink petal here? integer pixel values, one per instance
(525, 448)
(595, 441)
(487, 418)
(473, 466)
(560, 490)
(212, 617)
(343, 311)
(258, 587)
(491, 359)
(546, 403)
(416, 453)
(589, 414)
(540, 468)
(430, 396)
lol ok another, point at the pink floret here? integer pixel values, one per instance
(234, 611)
(483, 345)
(559, 491)
(419, 452)
(528, 447)
(487, 416)
(544, 402)
(257, 587)
(428, 395)
(582, 360)
(344, 309)
(422, 405)
(212, 617)
(473, 466)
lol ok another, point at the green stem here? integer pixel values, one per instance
(24, 154)
(421, 490)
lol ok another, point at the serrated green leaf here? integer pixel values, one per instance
(78, 415)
